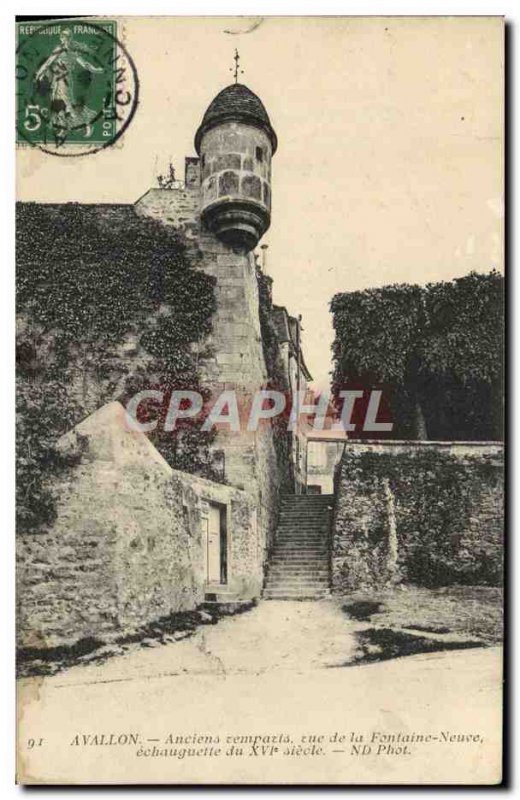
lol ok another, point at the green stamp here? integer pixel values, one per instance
(77, 86)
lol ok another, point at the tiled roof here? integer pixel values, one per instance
(239, 104)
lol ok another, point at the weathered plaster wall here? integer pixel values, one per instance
(322, 459)
(127, 544)
(425, 513)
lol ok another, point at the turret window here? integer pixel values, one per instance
(227, 161)
(228, 184)
(259, 154)
(251, 187)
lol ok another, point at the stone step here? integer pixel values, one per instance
(312, 533)
(308, 555)
(322, 503)
(305, 527)
(288, 586)
(304, 513)
(295, 584)
(310, 536)
(297, 545)
(319, 544)
(307, 561)
(305, 508)
(299, 499)
(275, 594)
(303, 532)
(320, 532)
(295, 530)
(306, 524)
(313, 547)
(299, 559)
(307, 586)
(283, 591)
(295, 581)
(310, 541)
(293, 541)
(298, 508)
(301, 512)
(282, 547)
(306, 503)
(304, 497)
(307, 573)
(302, 563)
(280, 552)
(308, 570)
(293, 537)
(284, 556)
(300, 572)
(324, 500)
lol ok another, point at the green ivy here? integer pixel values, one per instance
(437, 351)
(90, 281)
(276, 379)
(446, 535)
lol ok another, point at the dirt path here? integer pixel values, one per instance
(278, 669)
(275, 635)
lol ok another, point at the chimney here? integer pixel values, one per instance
(191, 173)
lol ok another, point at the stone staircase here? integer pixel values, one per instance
(299, 563)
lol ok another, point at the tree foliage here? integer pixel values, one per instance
(437, 350)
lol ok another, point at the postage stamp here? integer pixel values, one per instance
(77, 86)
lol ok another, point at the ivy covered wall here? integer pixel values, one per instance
(108, 303)
(424, 514)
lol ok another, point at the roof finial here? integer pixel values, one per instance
(236, 69)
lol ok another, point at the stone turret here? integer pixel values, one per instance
(235, 142)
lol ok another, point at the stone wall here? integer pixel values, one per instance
(127, 543)
(426, 513)
(178, 207)
(232, 356)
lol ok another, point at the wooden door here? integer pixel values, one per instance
(214, 545)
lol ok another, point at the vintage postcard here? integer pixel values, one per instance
(260, 334)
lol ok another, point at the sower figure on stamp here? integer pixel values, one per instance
(59, 70)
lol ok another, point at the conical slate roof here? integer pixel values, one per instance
(236, 103)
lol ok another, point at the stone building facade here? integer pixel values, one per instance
(297, 378)
(134, 540)
(223, 208)
(129, 543)
(323, 455)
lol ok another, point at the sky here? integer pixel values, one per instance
(389, 166)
